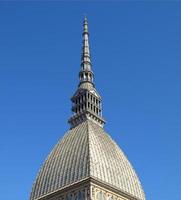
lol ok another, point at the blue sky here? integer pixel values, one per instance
(135, 48)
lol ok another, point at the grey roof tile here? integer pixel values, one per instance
(86, 151)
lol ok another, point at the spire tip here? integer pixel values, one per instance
(85, 18)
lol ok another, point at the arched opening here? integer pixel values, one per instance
(86, 76)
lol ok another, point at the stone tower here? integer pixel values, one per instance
(86, 164)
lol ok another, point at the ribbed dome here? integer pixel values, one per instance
(87, 151)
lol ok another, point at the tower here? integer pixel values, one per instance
(86, 102)
(87, 164)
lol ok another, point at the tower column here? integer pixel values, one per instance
(86, 100)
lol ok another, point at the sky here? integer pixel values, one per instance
(135, 49)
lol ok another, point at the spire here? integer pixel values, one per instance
(86, 74)
(86, 102)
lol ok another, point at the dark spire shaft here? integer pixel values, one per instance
(85, 59)
(86, 74)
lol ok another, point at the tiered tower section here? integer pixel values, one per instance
(86, 102)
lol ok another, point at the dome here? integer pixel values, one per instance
(87, 151)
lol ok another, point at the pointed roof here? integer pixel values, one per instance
(87, 151)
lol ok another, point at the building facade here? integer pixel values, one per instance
(87, 164)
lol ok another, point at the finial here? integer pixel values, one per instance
(85, 26)
(85, 19)
(85, 16)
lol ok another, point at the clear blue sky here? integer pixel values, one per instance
(136, 55)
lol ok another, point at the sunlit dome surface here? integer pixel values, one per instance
(87, 151)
